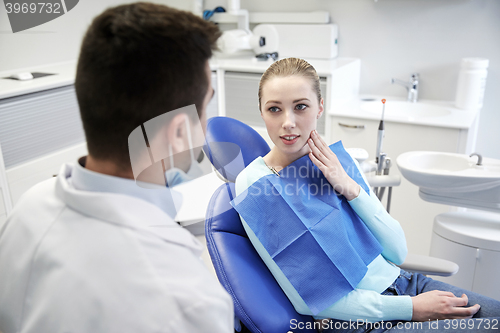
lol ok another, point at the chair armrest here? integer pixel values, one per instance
(429, 265)
(383, 180)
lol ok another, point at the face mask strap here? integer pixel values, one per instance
(190, 141)
(170, 155)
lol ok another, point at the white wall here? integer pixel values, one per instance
(58, 40)
(393, 38)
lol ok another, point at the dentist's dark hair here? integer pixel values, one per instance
(138, 61)
(289, 67)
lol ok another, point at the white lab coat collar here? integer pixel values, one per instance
(123, 210)
(162, 197)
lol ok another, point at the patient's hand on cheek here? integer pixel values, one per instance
(326, 160)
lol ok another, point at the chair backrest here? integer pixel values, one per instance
(259, 302)
(231, 145)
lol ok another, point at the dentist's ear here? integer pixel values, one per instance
(321, 109)
(177, 133)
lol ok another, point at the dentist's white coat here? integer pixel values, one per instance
(78, 261)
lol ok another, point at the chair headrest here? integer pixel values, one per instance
(231, 145)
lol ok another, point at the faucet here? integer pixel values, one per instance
(479, 158)
(411, 86)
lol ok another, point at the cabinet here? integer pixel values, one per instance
(472, 240)
(415, 215)
(41, 129)
(3, 213)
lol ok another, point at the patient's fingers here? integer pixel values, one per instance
(317, 162)
(319, 142)
(316, 151)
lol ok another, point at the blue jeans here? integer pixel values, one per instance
(487, 319)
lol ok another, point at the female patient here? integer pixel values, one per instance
(290, 103)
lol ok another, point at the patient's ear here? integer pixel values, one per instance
(321, 108)
(176, 133)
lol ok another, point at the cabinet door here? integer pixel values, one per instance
(398, 139)
(415, 215)
(3, 213)
(463, 256)
(355, 133)
(40, 123)
(487, 273)
(242, 100)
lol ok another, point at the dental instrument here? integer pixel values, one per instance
(382, 160)
(380, 139)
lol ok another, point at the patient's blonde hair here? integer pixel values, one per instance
(288, 67)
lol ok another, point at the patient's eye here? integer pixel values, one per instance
(300, 107)
(274, 109)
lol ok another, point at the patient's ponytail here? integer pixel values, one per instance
(288, 67)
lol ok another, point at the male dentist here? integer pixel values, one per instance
(90, 251)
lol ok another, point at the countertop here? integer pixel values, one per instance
(64, 75)
(455, 118)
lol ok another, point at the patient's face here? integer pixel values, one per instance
(290, 109)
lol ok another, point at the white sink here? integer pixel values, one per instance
(404, 109)
(453, 178)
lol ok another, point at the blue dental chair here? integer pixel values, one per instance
(259, 302)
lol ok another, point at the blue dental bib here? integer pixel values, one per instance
(311, 232)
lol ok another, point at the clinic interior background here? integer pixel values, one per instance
(393, 38)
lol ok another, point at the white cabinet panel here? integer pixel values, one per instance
(242, 100)
(3, 218)
(213, 105)
(463, 256)
(487, 273)
(3, 213)
(39, 123)
(479, 268)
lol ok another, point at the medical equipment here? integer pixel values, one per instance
(383, 163)
(266, 56)
(379, 159)
(263, 39)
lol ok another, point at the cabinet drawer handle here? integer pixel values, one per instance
(352, 126)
